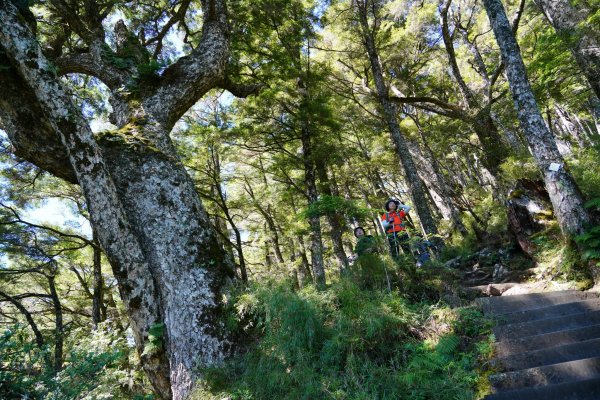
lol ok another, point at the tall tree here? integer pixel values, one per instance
(364, 9)
(142, 203)
(564, 193)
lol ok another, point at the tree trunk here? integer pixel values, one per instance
(98, 307)
(39, 338)
(316, 247)
(304, 264)
(389, 113)
(240, 251)
(583, 42)
(512, 138)
(58, 325)
(557, 131)
(494, 149)
(274, 235)
(564, 193)
(271, 227)
(310, 180)
(300, 269)
(336, 221)
(148, 217)
(186, 260)
(222, 202)
(439, 187)
(139, 292)
(527, 207)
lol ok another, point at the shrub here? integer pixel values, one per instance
(585, 167)
(344, 343)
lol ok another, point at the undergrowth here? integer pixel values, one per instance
(560, 260)
(348, 342)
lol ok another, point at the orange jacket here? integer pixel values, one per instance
(395, 220)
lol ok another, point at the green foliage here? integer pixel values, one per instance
(368, 244)
(154, 343)
(590, 240)
(330, 205)
(449, 365)
(440, 371)
(149, 70)
(93, 366)
(344, 343)
(371, 271)
(550, 60)
(560, 259)
(520, 167)
(585, 167)
(117, 61)
(20, 354)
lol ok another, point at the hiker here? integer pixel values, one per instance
(366, 243)
(368, 269)
(392, 222)
(421, 248)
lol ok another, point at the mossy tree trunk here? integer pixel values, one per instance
(564, 194)
(148, 217)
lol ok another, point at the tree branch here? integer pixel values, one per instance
(183, 83)
(28, 128)
(447, 37)
(449, 110)
(86, 63)
(39, 339)
(18, 219)
(239, 89)
(178, 16)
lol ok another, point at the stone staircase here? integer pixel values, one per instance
(547, 346)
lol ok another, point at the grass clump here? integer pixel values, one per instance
(346, 342)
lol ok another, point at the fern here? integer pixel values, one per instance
(154, 344)
(590, 240)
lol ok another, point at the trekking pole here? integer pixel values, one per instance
(387, 278)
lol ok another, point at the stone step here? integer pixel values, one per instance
(550, 312)
(509, 304)
(533, 328)
(550, 355)
(571, 371)
(538, 342)
(581, 390)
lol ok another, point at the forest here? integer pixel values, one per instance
(182, 184)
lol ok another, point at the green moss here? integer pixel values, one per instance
(545, 215)
(585, 284)
(515, 194)
(129, 137)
